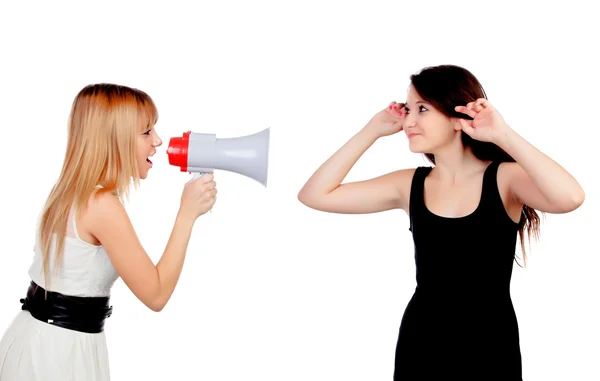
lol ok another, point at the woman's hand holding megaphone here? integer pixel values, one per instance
(198, 196)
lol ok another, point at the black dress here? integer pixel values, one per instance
(460, 323)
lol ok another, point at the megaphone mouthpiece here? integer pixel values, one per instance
(178, 151)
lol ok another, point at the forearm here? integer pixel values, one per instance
(552, 181)
(331, 173)
(171, 263)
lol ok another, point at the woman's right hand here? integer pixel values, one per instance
(199, 196)
(388, 121)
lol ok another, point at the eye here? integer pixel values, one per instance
(147, 132)
(421, 109)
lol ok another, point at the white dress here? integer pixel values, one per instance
(31, 350)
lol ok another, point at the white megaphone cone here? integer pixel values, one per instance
(199, 153)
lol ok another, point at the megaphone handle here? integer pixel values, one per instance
(196, 175)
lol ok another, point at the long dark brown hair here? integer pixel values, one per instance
(448, 86)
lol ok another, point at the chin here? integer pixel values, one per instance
(417, 148)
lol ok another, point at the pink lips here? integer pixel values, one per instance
(412, 134)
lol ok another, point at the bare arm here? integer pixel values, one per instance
(538, 181)
(535, 179)
(153, 285)
(324, 191)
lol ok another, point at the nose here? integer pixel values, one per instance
(410, 120)
(157, 142)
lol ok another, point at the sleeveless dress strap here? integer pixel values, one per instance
(490, 195)
(491, 200)
(417, 188)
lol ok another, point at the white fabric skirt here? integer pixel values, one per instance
(31, 350)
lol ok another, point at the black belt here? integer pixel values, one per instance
(83, 314)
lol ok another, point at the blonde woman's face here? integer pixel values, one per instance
(147, 142)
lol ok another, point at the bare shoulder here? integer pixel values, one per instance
(106, 207)
(507, 172)
(106, 218)
(403, 179)
(101, 207)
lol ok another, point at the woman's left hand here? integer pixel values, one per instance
(487, 124)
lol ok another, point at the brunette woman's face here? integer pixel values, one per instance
(426, 128)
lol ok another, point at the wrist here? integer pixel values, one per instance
(370, 132)
(506, 138)
(184, 218)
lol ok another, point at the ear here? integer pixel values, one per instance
(456, 124)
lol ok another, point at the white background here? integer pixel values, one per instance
(272, 290)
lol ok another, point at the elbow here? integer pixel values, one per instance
(578, 198)
(309, 201)
(156, 303)
(572, 202)
(304, 198)
(301, 196)
(312, 198)
(156, 306)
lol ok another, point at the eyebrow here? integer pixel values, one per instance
(417, 102)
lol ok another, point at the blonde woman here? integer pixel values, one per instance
(86, 241)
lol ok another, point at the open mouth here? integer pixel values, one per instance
(148, 159)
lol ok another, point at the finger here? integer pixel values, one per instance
(465, 110)
(395, 111)
(209, 186)
(396, 106)
(483, 102)
(203, 188)
(207, 177)
(206, 197)
(466, 127)
(402, 109)
(399, 109)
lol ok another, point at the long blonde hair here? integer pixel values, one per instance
(101, 150)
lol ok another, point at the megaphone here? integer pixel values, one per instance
(199, 153)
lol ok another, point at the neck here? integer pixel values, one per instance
(456, 162)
